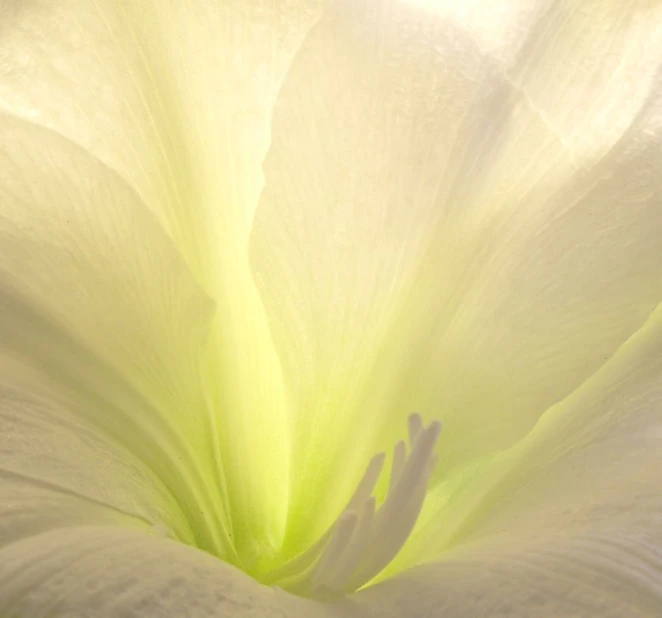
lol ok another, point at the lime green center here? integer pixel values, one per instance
(365, 537)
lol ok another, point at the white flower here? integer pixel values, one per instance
(242, 241)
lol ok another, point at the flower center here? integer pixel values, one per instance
(365, 538)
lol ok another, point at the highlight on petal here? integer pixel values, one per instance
(454, 254)
(588, 68)
(174, 96)
(567, 523)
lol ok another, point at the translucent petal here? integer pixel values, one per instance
(574, 529)
(602, 58)
(107, 572)
(58, 468)
(426, 240)
(567, 523)
(176, 96)
(95, 298)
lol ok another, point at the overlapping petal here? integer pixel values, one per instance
(176, 97)
(105, 572)
(60, 469)
(95, 298)
(456, 253)
(567, 523)
(586, 67)
(568, 528)
(436, 233)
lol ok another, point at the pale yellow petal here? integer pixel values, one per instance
(426, 240)
(567, 523)
(573, 529)
(177, 96)
(95, 298)
(587, 67)
(104, 572)
(59, 467)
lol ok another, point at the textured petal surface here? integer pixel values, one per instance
(96, 416)
(59, 469)
(94, 297)
(176, 96)
(80, 250)
(602, 59)
(105, 572)
(455, 254)
(89, 530)
(570, 528)
(568, 523)
(103, 420)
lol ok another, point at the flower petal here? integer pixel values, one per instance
(177, 98)
(59, 469)
(105, 572)
(94, 296)
(573, 530)
(84, 521)
(567, 523)
(591, 53)
(427, 241)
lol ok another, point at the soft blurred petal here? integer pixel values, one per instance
(58, 468)
(104, 572)
(94, 296)
(568, 523)
(476, 178)
(177, 96)
(601, 58)
(572, 530)
(78, 246)
(587, 67)
(455, 254)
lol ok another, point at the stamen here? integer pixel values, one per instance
(415, 426)
(399, 457)
(365, 539)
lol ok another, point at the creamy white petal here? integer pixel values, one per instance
(586, 67)
(589, 68)
(427, 241)
(95, 298)
(567, 523)
(105, 572)
(78, 248)
(89, 529)
(573, 529)
(177, 95)
(59, 468)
